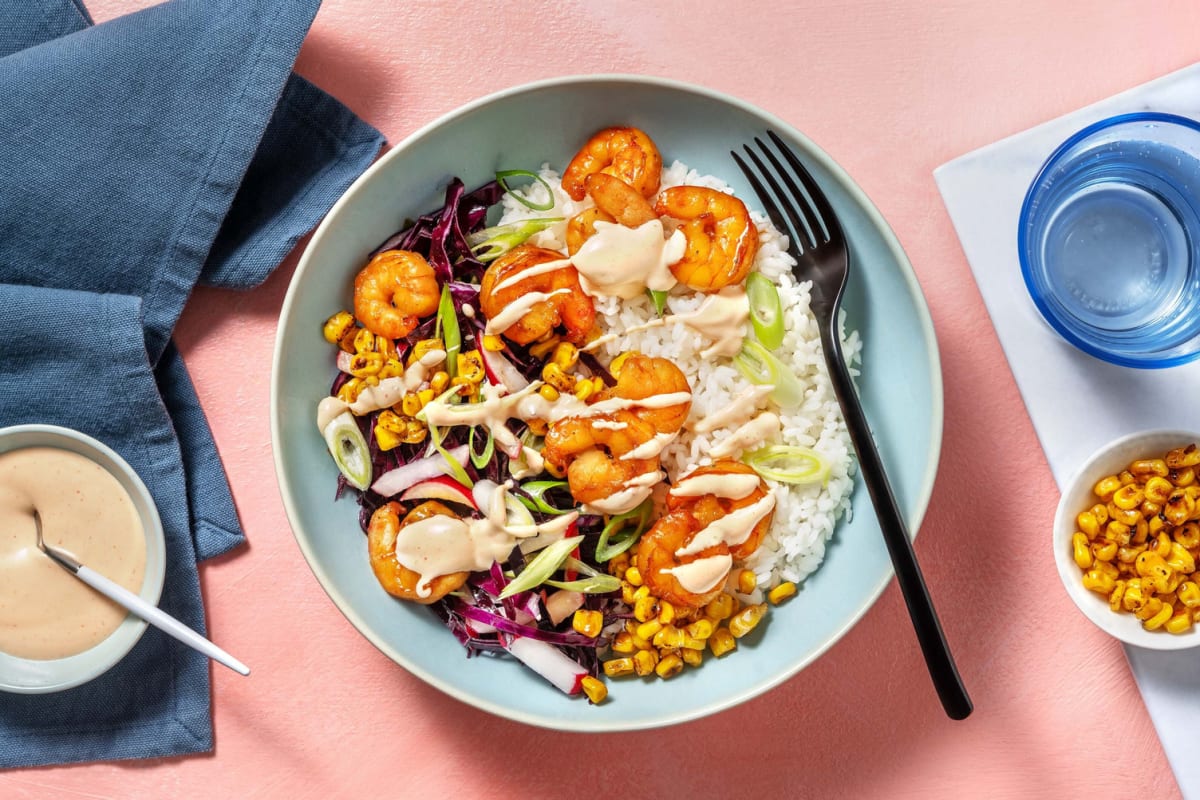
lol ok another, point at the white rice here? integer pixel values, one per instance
(805, 516)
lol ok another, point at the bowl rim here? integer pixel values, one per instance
(132, 627)
(1027, 272)
(839, 175)
(1090, 604)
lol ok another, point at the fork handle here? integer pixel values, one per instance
(940, 663)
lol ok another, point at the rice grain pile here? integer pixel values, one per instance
(805, 516)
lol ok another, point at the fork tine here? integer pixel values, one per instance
(824, 209)
(799, 205)
(772, 209)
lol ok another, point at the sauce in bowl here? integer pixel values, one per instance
(46, 613)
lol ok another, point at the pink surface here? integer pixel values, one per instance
(891, 89)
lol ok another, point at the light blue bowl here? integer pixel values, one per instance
(522, 128)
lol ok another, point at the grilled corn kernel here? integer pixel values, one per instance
(634, 576)
(1148, 562)
(554, 375)
(1134, 597)
(364, 341)
(669, 667)
(1180, 560)
(387, 440)
(391, 369)
(721, 642)
(337, 326)
(1117, 532)
(1157, 489)
(747, 581)
(549, 392)
(1107, 568)
(415, 431)
(1180, 622)
(492, 343)
(615, 667)
(1178, 507)
(1106, 486)
(781, 593)
(1187, 534)
(439, 382)
(1080, 550)
(598, 384)
(746, 620)
(1149, 509)
(1126, 516)
(666, 612)
(538, 427)
(669, 636)
(645, 608)
(542, 349)
(423, 348)
(390, 421)
(1104, 550)
(470, 366)
(1161, 544)
(1097, 581)
(700, 629)
(694, 658)
(644, 662)
(1114, 599)
(1145, 467)
(350, 390)
(566, 355)
(424, 396)
(1149, 609)
(1189, 594)
(642, 591)
(594, 688)
(627, 590)
(1128, 497)
(589, 623)
(584, 389)
(623, 643)
(614, 368)
(648, 629)
(1086, 522)
(720, 607)
(1100, 512)
(410, 404)
(363, 365)
(1140, 532)
(1182, 477)
(1159, 619)
(1183, 457)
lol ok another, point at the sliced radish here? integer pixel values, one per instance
(502, 372)
(440, 488)
(343, 360)
(402, 477)
(549, 662)
(562, 604)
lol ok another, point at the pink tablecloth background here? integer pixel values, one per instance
(891, 89)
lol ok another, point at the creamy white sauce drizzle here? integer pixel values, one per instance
(530, 272)
(757, 431)
(737, 412)
(703, 574)
(650, 448)
(636, 490)
(421, 370)
(442, 545)
(731, 529)
(610, 425)
(329, 409)
(722, 318)
(623, 262)
(517, 309)
(733, 486)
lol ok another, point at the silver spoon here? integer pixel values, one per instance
(136, 605)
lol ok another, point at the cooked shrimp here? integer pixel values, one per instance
(624, 153)
(721, 239)
(657, 552)
(591, 455)
(616, 201)
(393, 291)
(396, 579)
(642, 376)
(708, 508)
(582, 227)
(572, 309)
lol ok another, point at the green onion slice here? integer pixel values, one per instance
(660, 300)
(759, 366)
(597, 584)
(537, 491)
(766, 312)
(349, 450)
(543, 565)
(447, 322)
(622, 531)
(503, 176)
(491, 243)
(789, 464)
(480, 460)
(457, 470)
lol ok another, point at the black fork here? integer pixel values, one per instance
(822, 256)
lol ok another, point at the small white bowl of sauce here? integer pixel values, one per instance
(55, 631)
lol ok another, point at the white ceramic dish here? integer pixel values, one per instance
(32, 676)
(1076, 497)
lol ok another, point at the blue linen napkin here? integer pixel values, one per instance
(165, 148)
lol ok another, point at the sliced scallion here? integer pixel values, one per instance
(537, 496)
(481, 460)
(660, 300)
(789, 464)
(447, 322)
(622, 531)
(491, 243)
(457, 470)
(759, 366)
(503, 176)
(597, 584)
(543, 565)
(349, 450)
(766, 312)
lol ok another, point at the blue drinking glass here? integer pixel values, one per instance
(1109, 240)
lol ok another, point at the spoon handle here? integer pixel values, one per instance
(158, 618)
